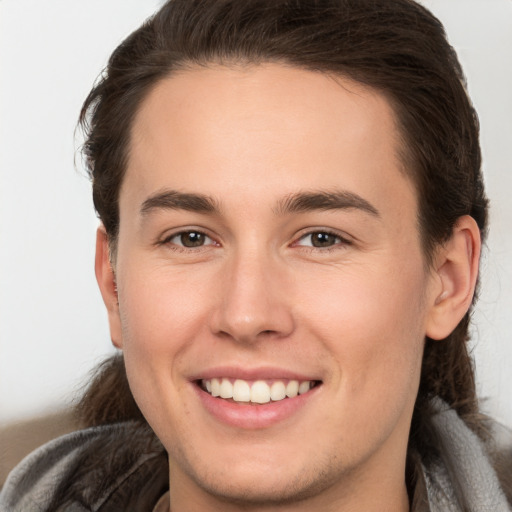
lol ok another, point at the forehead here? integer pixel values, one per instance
(268, 128)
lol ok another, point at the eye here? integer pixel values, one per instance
(189, 239)
(321, 239)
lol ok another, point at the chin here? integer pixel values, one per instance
(257, 483)
(270, 489)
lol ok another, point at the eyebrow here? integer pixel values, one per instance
(325, 200)
(174, 200)
(299, 202)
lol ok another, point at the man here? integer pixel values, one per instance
(292, 212)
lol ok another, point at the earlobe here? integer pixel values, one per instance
(455, 272)
(106, 279)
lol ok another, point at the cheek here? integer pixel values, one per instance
(161, 308)
(373, 325)
(162, 313)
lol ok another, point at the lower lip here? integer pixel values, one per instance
(252, 417)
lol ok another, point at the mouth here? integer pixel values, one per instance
(253, 399)
(256, 392)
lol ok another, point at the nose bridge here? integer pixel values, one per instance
(253, 300)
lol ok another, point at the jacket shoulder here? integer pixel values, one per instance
(101, 468)
(501, 452)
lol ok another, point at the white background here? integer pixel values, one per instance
(53, 329)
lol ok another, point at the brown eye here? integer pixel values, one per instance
(323, 239)
(192, 239)
(189, 239)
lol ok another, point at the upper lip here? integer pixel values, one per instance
(256, 373)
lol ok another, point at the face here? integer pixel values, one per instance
(268, 241)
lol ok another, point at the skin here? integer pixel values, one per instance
(352, 314)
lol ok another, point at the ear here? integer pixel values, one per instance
(455, 275)
(106, 278)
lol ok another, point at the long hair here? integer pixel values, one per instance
(394, 46)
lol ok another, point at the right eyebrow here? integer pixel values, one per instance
(325, 200)
(174, 200)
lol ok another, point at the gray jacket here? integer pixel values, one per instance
(123, 466)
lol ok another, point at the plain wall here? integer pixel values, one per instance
(53, 327)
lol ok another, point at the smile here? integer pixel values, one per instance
(257, 398)
(256, 391)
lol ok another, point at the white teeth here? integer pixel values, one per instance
(258, 392)
(277, 391)
(226, 389)
(292, 389)
(304, 387)
(215, 387)
(241, 391)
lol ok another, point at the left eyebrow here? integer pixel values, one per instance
(324, 200)
(174, 200)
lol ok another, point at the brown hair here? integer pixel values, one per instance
(395, 46)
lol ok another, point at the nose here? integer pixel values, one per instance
(253, 301)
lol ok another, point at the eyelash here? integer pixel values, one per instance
(339, 243)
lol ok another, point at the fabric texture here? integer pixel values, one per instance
(463, 479)
(124, 467)
(111, 468)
